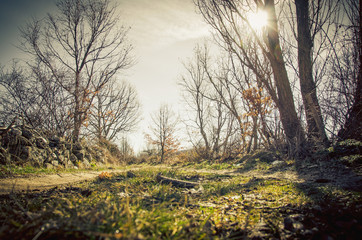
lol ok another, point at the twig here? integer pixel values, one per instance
(176, 182)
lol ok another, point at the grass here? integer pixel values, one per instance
(28, 170)
(136, 206)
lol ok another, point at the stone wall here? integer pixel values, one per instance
(20, 144)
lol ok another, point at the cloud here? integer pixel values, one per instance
(162, 22)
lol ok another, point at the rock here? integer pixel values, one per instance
(130, 174)
(53, 155)
(49, 166)
(62, 147)
(260, 231)
(88, 156)
(69, 164)
(298, 226)
(16, 132)
(26, 152)
(41, 142)
(86, 164)
(77, 147)
(73, 158)
(288, 224)
(61, 158)
(4, 156)
(68, 146)
(79, 155)
(27, 133)
(55, 163)
(25, 144)
(277, 163)
(292, 223)
(54, 141)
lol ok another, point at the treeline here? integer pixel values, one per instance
(294, 85)
(69, 84)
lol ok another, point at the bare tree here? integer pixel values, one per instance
(16, 98)
(195, 88)
(315, 124)
(163, 131)
(116, 109)
(229, 19)
(309, 35)
(125, 149)
(83, 49)
(36, 98)
(223, 96)
(353, 125)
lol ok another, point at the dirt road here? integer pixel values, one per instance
(309, 174)
(44, 182)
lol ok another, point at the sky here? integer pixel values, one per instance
(163, 33)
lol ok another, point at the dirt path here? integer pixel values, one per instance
(44, 182)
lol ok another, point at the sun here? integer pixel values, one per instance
(258, 20)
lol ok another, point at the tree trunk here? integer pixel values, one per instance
(316, 128)
(291, 123)
(352, 129)
(77, 118)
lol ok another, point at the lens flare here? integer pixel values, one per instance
(258, 20)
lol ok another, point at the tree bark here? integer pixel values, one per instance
(288, 115)
(77, 111)
(352, 128)
(315, 124)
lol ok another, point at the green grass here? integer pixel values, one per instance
(26, 170)
(138, 207)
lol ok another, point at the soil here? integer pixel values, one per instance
(44, 182)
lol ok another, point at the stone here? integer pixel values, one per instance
(298, 226)
(55, 163)
(88, 156)
(27, 133)
(73, 158)
(54, 141)
(61, 158)
(277, 163)
(15, 132)
(292, 223)
(68, 146)
(130, 174)
(77, 146)
(53, 155)
(41, 142)
(26, 152)
(49, 166)
(69, 164)
(86, 164)
(288, 223)
(260, 231)
(79, 155)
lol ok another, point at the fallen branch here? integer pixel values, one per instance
(176, 182)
